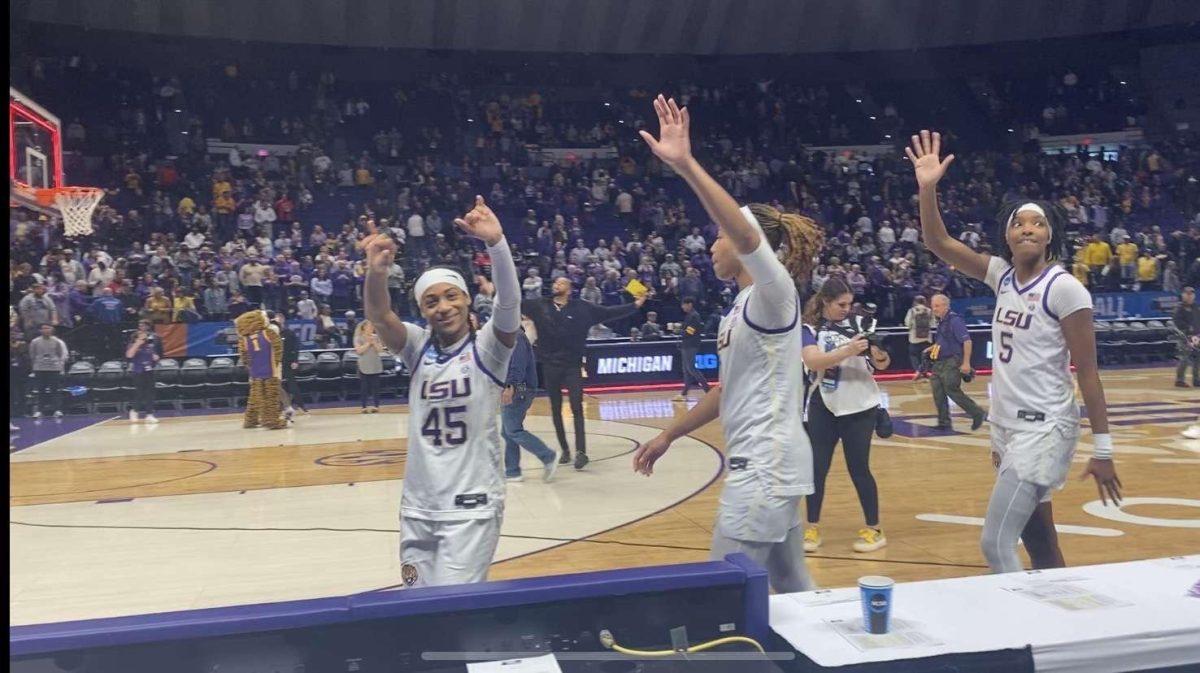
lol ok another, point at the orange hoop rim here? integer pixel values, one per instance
(46, 197)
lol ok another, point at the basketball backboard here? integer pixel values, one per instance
(35, 151)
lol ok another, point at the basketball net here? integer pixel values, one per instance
(76, 205)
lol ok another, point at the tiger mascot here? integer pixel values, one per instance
(261, 350)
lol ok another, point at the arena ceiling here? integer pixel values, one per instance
(618, 26)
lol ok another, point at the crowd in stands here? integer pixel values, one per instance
(187, 235)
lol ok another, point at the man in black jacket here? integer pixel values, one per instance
(292, 397)
(689, 346)
(1187, 335)
(562, 327)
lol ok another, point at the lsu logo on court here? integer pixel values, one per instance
(363, 458)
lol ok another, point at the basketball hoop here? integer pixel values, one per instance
(76, 205)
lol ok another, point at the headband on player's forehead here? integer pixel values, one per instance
(434, 276)
(1029, 208)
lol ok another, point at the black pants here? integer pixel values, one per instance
(49, 388)
(18, 380)
(854, 431)
(370, 388)
(254, 295)
(690, 373)
(292, 395)
(143, 392)
(557, 377)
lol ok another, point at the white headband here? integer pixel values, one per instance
(1030, 208)
(435, 276)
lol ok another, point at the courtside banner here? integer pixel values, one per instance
(644, 362)
(1108, 306)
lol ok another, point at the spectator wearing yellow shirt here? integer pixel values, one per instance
(185, 307)
(133, 182)
(1127, 253)
(1147, 272)
(186, 207)
(1080, 271)
(363, 177)
(158, 307)
(1096, 255)
(221, 186)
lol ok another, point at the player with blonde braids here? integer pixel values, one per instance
(761, 394)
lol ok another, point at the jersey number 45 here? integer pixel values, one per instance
(444, 426)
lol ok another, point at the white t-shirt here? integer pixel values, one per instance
(849, 387)
(416, 225)
(1032, 384)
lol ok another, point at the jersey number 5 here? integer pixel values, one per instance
(442, 427)
(1006, 349)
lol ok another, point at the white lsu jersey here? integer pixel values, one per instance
(762, 402)
(455, 467)
(1032, 383)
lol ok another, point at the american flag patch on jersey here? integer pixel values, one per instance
(1033, 296)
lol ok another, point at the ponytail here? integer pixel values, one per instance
(798, 237)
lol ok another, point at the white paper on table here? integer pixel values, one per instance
(901, 634)
(812, 599)
(1067, 595)
(543, 664)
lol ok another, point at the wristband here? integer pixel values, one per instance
(1102, 447)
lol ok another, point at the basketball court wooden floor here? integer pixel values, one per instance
(116, 518)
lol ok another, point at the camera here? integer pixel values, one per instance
(860, 326)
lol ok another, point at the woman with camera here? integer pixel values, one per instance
(143, 352)
(845, 404)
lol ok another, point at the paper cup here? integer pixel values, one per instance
(876, 594)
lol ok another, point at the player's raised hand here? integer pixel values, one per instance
(481, 223)
(379, 248)
(925, 156)
(647, 454)
(1107, 482)
(673, 145)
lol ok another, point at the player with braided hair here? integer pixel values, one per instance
(453, 498)
(1042, 323)
(760, 396)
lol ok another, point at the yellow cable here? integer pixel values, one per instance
(612, 644)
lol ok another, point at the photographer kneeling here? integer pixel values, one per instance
(843, 357)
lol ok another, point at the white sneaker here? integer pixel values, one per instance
(36, 414)
(1192, 432)
(58, 414)
(133, 417)
(151, 419)
(12, 427)
(548, 469)
(515, 480)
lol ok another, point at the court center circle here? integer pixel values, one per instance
(1118, 513)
